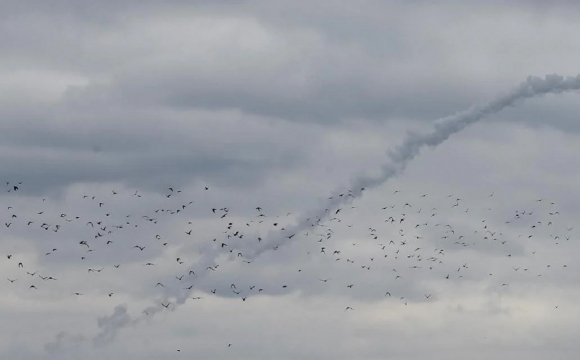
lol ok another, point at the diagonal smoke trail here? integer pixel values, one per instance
(397, 162)
(405, 152)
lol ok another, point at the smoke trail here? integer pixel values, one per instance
(397, 162)
(406, 151)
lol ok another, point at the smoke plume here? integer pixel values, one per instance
(396, 162)
(398, 158)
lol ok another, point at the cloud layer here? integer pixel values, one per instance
(282, 106)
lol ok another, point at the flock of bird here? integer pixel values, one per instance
(414, 240)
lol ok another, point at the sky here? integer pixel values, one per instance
(124, 124)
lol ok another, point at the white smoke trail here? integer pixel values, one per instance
(397, 162)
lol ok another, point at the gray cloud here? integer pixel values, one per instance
(278, 104)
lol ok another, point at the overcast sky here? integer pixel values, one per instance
(282, 105)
